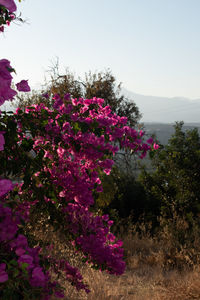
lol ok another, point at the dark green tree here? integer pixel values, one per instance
(174, 186)
(123, 196)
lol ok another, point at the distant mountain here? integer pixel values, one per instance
(166, 110)
(164, 131)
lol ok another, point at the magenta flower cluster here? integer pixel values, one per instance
(7, 9)
(6, 92)
(78, 139)
(9, 4)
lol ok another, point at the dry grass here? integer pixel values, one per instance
(158, 267)
(144, 284)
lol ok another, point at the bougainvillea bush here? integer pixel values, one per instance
(58, 155)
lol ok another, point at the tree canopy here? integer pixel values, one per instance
(100, 84)
(174, 185)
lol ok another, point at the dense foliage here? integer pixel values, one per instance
(174, 185)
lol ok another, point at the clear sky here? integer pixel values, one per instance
(151, 46)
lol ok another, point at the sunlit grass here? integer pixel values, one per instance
(158, 267)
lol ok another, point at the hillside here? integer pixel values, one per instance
(166, 110)
(164, 131)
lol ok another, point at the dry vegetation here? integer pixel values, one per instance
(158, 267)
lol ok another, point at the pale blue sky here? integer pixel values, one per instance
(151, 46)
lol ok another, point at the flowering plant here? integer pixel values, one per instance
(58, 153)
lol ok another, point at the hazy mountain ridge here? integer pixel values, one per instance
(165, 110)
(164, 131)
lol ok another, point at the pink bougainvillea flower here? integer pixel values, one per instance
(5, 186)
(2, 141)
(5, 69)
(3, 274)
(20, 251)
(9, 4)
(155, 146)
(67, 96)
(12, 16)
(150, 141)
(25, 258)
(6, 93)
(23, 86)
(38, 277)
(45, 95)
